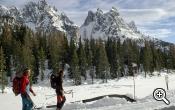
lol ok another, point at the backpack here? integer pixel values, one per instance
(53, 81)
(16, 85)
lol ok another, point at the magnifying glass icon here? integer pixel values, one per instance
(159, 94)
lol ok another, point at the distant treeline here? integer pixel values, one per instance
(21, 47)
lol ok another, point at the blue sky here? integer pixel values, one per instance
(153, 17)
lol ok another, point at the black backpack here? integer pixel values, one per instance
(53, 81)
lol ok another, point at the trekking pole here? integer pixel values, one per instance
(34, 105)
(72, 94)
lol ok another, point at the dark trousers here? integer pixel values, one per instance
(60, 101)
(27, 103)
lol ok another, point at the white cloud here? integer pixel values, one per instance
(158, 33)
(143, 15)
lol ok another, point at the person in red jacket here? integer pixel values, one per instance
(27, 103)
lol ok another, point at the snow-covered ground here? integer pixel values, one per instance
(123, 86)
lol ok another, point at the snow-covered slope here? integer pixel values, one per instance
(40, 16)
(124, 86)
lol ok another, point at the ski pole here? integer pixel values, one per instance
(72, 93)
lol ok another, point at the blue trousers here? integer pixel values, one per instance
(27, 103)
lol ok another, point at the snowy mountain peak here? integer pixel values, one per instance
(40, 15)
(90, 18)
(114, 11)
(132, 25)
(3, 10)
(109, 24)
(99, 11)
(42, 4)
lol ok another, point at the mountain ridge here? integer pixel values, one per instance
(41, 16)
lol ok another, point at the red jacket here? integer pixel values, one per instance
(24, 83)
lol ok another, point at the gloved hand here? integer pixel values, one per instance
(33, 94)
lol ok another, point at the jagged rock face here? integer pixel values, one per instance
(108, 24)
(3, 10)
(133, 26)
(41, 16)
(90, 18)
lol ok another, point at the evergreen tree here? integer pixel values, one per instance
(102, 67)
(33, 41)
(113, 57)
(82, 59)
(17, 54)
(74, 64)
(147, 58)
(92, 70)
(6, 38)
(173, 55)
(159, 60)
(94, 49)
(120, 53)
(55, 50)
(41, 62)
(90, 66)
(170, 58)
(88, 53)
(156, 66)
(27, 59)
(2, 68)
(64, 49)
(128, 59)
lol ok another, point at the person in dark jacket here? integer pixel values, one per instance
(27, 103)
(59, 90)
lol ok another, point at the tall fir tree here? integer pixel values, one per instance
(6, 43)
(89, 56)
(2, 68)
(120, 53)
(147, 58)
(42, 62)
(82, 59)
(102, 67)
(74, 64)
(113, 57)
(170, 58)
(55, 51)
